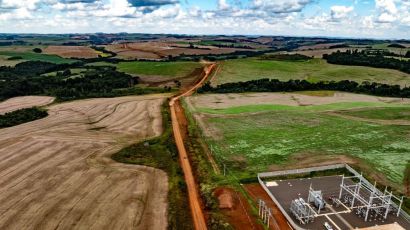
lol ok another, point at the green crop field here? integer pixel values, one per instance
(393, 113)
(100, 64)
(252, 138)
(312, 70)
(166, 69)
(30, 56)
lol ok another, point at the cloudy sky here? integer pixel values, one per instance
(334, 18)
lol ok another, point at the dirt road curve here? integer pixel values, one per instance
(56, 173)
(194, 200)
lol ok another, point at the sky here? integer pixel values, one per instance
(384, 19)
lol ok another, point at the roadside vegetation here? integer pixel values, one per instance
(161, 153)
(21, 116)
(210, 180)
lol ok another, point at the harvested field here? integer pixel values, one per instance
(4, 61)
(17, 103)
(72, 51)
(21, 49)
(158, 50)
(56, 173)
(163, 73)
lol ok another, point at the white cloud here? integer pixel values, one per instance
(18, 4)
(280, 6)
(223, 5)
(386, 18)
(340, 12)
(386, 6)
(116, 8)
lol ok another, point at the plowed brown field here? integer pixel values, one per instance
(56, 173)
(72, 51)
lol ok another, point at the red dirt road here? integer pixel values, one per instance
(194, 200)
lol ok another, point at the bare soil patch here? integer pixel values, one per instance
(71, 51)
(17, 103)
(221, 101)
(236, 209)
(56, 173)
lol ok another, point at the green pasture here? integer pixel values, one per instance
(249, 139)
(166, 69)
(313, 70)
(393, 113)
(101, 63)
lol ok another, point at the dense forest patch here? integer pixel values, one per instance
(21, 116)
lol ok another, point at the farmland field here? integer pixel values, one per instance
(251, 133)
(72, 51)
(158, 50)
(4, 61)
(30, 56)
(165, 69)
(57, 173)
(312, 70)
(17, 103)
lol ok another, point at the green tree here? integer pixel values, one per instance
(37, 50)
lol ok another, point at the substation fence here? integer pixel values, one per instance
(382, 207)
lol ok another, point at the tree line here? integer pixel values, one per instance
(361, 58)
(21, 116)
(274, 85)
(26, 79)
